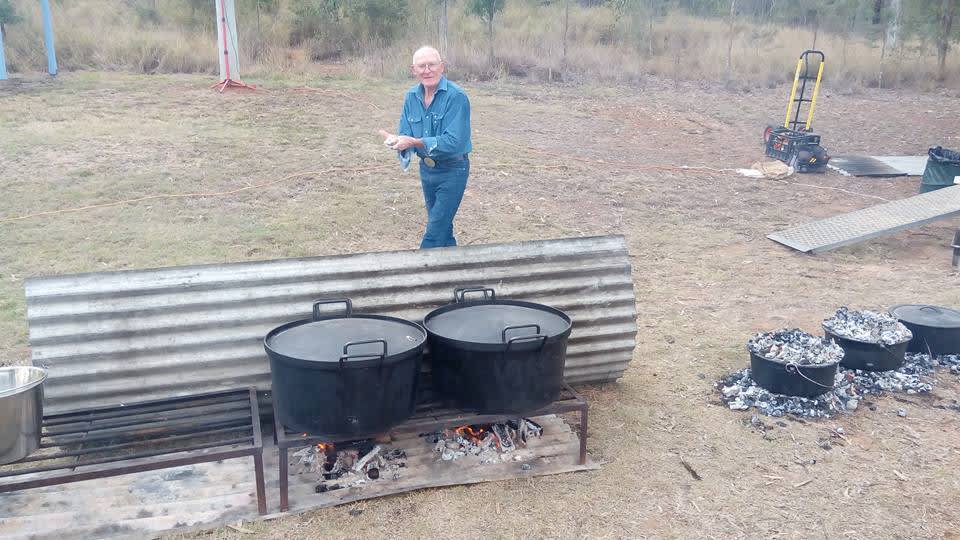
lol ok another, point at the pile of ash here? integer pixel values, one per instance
(868, 327)
(739, 391)
(350, 464)
(794, 346)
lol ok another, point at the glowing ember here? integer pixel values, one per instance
(488, 442)
(350, 464)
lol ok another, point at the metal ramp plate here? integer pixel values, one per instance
(833, 232)
(862, 166)
(908, 165)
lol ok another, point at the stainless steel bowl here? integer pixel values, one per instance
(21, 411)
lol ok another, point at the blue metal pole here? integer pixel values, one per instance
(48, 37)
(3, 60)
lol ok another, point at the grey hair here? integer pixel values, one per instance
(426, 49)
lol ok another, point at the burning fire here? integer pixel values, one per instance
(474, 435)
(477, 434)
(486, 441)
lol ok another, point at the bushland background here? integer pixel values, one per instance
(870, 43)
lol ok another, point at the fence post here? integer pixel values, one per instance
(3, 60)
(48, 37)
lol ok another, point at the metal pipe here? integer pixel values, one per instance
(813, 100)
(3, 60)
(48, 37)
(793, 93)
(153, 405)
(129, 457)
(956, 249)
(131, 444)
(141, 435)
(164, 418)
(134, 410)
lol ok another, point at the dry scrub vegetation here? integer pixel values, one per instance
(605, 41)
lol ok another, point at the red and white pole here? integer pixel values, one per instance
(227, 44)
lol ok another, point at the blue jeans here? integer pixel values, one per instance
(443, 187)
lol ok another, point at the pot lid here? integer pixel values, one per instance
(324, 340)
(924, 315)
(485, 323)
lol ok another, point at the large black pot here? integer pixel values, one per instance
(868, 356)
(344, 374)
(936, 330)
(497, 356)
(792, 379)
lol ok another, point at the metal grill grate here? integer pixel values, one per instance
(159, 434)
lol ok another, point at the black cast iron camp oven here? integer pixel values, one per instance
(807, 380)
(868, 356)
(936, 329)
(344, 374)
(497, 356)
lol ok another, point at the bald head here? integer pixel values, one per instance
(426, 54)
(428, 68)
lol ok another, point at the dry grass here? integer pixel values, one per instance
(705, 275)
(603, 45)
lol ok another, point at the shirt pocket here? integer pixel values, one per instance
(416, 124)
(436, 121)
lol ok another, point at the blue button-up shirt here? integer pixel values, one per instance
(444, 126)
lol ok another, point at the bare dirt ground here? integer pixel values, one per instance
(549, 162)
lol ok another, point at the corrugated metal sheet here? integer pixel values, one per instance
(113, 337)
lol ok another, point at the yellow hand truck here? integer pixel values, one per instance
(793, 142)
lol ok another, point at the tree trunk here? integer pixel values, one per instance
(893, 32)
(877, 11)
(883, 54)
(566, 25)
(650, 16)
(733, 7)
(948, 9)
(490, 39)
(443, 29)
(893, 25)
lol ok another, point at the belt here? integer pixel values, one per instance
(430, 162)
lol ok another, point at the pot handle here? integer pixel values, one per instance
(347, 356)
(503, 334)
(931, 308)
(794, 368)
(541, 337)
(460, 292)
(348, 310)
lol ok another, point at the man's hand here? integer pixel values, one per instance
(389, 139)
(404, 142)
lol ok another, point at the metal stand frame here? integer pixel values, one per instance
(428, 417)
(205, 427)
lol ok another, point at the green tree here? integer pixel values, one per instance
(486, 10)
(7, 15)
(335, 25)
(946, 14)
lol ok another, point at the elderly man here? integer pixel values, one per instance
(435, 125)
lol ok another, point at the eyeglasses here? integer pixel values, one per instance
(423, 66)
